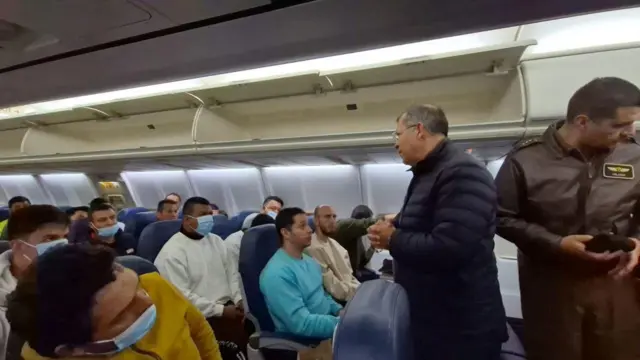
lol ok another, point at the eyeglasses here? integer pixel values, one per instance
(396, 134)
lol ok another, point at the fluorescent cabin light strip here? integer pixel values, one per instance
(607, 28)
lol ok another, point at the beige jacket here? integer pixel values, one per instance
(337, 275)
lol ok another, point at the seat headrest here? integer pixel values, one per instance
(125, 213)
(222, 226)
(154, 236)
(79, 232)
(311, 223)
(375, 324)
(246, 223)
(258, 246)
(136, 223)
(139, 265)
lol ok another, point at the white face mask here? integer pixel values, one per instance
(45, 246)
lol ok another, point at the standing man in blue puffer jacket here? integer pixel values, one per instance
(442, 244)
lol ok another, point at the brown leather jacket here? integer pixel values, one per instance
(547, 191)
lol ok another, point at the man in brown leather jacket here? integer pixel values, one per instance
(554, 193)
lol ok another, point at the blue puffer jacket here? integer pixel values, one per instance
(443, 256)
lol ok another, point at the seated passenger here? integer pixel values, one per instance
(32, 231)
(15, 203)
(337, 275)
(76, 302)
(78, 213)
(167, 210)
(271, 206)
(291, 283)
(197, 263)
(233, 241)
(174, 197)
(104, 230)
(215, 210)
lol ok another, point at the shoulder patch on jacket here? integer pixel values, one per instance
(526, 143)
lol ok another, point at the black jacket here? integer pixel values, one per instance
(443, 256)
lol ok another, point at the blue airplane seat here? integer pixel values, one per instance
(125, 213)
(238, 219)
(375, 325)
(139, 265)
(65, 208)
(4, 213)
(258, 246)
(512, 349)
(154, 236)
(312, 225)
(222, 226)
(138, 222)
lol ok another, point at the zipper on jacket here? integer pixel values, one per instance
(147, 353)
(583, 196)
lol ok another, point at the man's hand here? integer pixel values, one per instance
(575, 245)
(628, 261)
(390, 217)
(380, 234)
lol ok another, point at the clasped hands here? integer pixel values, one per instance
(380, 233)
(627, 261)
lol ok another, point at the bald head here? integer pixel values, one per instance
(325, 219)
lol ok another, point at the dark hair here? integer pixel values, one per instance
(29, 219)
(164, 202)
(262, 219)
(430, 116)
(187, 209)
(223, 213)
(214, 206)
(53, 301)
(174, 194)
(272, 198)
(18, 199)
(99, 207)
(284, 220)
(75, 209)
(361, 212)
(97, 201)
(601, 98)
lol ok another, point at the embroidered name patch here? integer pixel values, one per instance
(618, 171)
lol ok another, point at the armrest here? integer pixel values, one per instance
(273, 340)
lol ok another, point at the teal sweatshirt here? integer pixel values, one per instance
(296, 298)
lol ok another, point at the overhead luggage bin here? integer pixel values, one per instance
(157, 130)
(550, 82)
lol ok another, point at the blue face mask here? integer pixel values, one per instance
(108, 232)
(134, 333)
(46, 246)
(205, 224)
(273, 214)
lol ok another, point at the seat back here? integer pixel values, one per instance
(375, 324)
(154, 236)
(125, 213)
(136, 223)
(139, 265)
(222, 226)
(4, 213)
(79, 232)
(311, 223)
(258, 246)
(240, 217)
(512, 349)
(4, 246)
